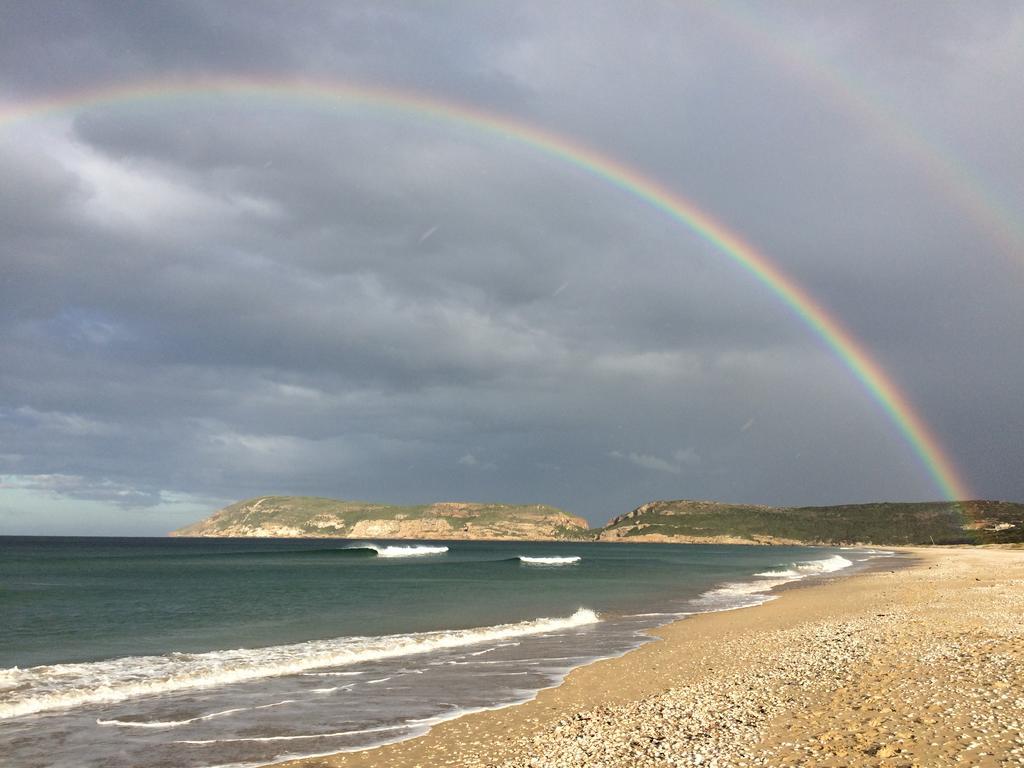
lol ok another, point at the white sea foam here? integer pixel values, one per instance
(200, 718)
(335, 734)
(348, 687)
(489, 650)
(738, 595)
(554, 560)
(414, 550)
(809, 568)
(59, 686)
(747, 593)
(875, 552)
(331, 674)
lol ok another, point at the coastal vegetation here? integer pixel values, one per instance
(884, 523)
(310, 516)
(892, 523)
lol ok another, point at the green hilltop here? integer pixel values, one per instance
(892, 523)
(311, 516)
(884, 523)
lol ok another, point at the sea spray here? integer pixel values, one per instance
(745, 594)
(415, 550)
(810, 568)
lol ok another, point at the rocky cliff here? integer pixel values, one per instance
(681, 521)
(308, 516)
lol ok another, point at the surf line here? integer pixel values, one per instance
(344, 95)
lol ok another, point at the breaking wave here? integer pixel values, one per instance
(748, 593)
(568, 560)
(414, 550)
(809, 568)
(60, 686)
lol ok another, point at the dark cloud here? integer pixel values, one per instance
(209, 298)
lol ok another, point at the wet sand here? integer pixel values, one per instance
(917, 666)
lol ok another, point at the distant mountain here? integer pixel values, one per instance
(885, 523)
(937, 522)
(310, 516)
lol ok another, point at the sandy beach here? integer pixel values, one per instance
(916, 666)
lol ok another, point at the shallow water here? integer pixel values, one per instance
(178, 652)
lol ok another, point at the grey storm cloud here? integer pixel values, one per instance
(203, 300)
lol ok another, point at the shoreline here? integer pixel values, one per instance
(599, 711)
(903, 559)
(654, 539)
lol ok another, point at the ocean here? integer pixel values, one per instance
(227, 652)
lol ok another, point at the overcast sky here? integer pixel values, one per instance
(203, 300)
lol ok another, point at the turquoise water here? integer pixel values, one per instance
(201, 652)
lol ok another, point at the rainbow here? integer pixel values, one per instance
(959, 184)
(853, 355)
